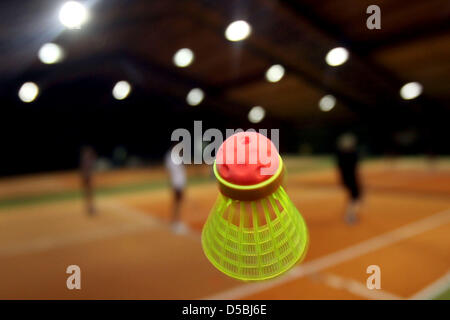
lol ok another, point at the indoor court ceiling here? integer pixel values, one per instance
(137, 39)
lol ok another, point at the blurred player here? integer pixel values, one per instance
(347, 161)
(87, 166)
(177, 175)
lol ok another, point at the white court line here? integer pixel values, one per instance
(142, 221)
(43, 244)
(340, 256)
(146, 216)
(434, 289)
(46, 243)
(140, 216)
(356, 287)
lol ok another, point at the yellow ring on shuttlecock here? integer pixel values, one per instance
(254, 191)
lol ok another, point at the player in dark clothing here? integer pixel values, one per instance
(347, 161)
(87, 166)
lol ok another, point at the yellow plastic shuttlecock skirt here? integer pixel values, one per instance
(255, 240)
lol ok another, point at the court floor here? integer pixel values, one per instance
(128, 251)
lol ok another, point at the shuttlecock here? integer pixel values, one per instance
(254, 231)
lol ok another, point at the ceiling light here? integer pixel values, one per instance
(337, 56)
(256, 114)
(121, 90)
(183, 57)
(28, 91)
(237, 30)
(411, 90)
(195, 97)
(327, 103)
(50, 53)
(275, 73)
(73, 14)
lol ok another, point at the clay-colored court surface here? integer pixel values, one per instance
(128, 251)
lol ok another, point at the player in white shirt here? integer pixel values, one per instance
(177, 174)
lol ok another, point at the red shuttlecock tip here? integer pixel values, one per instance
(247, 158)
